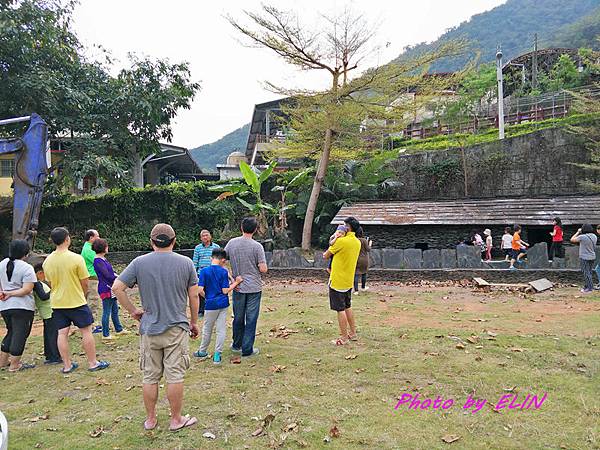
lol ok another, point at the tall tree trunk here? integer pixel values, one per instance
(316, 191)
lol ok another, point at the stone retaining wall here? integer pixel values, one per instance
(461, 257)
(532, 165)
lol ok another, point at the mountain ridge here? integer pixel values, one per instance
(207, 156)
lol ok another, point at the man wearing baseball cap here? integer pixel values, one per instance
(167, 282)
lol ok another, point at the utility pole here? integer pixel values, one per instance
(534, 63)
(500, 93)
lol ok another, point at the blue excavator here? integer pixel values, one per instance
(31, 170)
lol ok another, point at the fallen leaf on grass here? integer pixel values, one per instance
(36, 418)
(334, 431)
(51, 429)
(517, 349)
(450, 438)
(351, 357)
(573, 353)
(97, 432)
(473, 339)
(479, 320)
(277, 368)
(102, 382)
(235, 360)
(209, 435)
(359, 370)
(493, 408)
(266, 422)
(511, 389)
(291, 427)
(329, 322)
(460, 346)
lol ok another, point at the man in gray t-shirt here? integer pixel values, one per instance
(167, 282)
(587, 241)
(248, 260)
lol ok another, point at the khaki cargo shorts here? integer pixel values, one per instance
(166, 353)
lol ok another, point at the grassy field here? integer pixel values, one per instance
(445, 341)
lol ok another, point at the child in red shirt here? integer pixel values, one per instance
(557, 240)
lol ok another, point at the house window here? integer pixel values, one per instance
(7, 168)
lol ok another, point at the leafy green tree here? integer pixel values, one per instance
(107, 123)
(564, 75)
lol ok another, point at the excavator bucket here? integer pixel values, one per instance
(31, 170)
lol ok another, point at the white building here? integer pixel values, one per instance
(231, 169)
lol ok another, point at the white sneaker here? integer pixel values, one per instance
(356, 292)
(366, 288)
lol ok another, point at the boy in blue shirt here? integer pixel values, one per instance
(214, 286)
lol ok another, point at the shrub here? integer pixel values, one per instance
(126, 216)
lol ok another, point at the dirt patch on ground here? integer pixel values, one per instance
(466, 308)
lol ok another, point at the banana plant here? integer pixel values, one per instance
(282, 206)
(250, 187)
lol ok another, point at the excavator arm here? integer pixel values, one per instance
(31, 170)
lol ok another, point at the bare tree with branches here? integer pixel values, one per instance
(344, 119)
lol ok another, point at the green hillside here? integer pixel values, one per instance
(209, 155)
(560, 23)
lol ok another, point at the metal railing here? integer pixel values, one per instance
(555, 105)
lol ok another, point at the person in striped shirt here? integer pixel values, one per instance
(202, 258)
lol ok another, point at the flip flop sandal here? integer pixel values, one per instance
(147, 428)
(339, 342)
(189, 421)
(101, 365)
(23, 366)
(353, 337)
(74, 366)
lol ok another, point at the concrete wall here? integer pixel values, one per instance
(5, 186)
(461, 257)
(533, 165)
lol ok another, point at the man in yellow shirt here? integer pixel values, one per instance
(68, 277)
(341, 280)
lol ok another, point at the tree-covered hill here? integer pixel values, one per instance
(209, 155)
(559, 23)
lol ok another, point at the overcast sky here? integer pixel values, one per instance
(232, 74)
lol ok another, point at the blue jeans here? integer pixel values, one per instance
(245, 316)
(110, 308)
(597, 269)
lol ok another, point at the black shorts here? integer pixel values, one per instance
(81, 317)
(515, 253)
(340, 301)
(507, 252)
